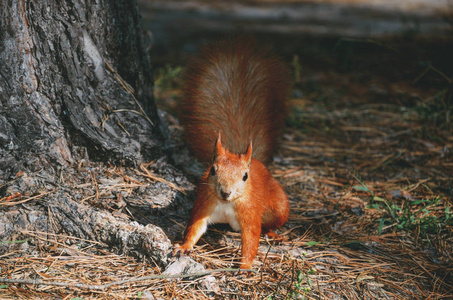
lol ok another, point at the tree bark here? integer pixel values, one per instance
(74, 75)
(76, 90)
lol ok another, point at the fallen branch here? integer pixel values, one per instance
(101, 287)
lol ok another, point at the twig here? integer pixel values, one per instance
(130, 90)
(428, 68)
(119, 282)
(25, 200)
(95, 183)
(14, 242)
(147, 173)
(36, 234)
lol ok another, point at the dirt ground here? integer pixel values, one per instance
(366, 159)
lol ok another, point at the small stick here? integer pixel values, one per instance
(150, 175)
(25, 200)
(130, 90)
(448, 79)
(120, 282)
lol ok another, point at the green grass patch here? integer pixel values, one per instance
(167, 78)
(437, 111)
(426, 216)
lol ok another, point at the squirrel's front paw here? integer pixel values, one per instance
(245, 270)
(184, 249)
(277, 239)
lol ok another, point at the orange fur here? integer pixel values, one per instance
(239, 89)
(236, 91)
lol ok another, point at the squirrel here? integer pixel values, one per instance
(234, 99)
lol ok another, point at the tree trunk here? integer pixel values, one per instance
(76, 87)
(74, 75)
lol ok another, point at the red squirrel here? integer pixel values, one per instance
(234, 99)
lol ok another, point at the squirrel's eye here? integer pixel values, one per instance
(212, 171)
(245, 177)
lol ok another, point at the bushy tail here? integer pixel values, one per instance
(239, 89)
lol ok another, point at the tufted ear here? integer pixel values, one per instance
(218, 150)
(248, 154)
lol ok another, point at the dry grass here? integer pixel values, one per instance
(332, 248)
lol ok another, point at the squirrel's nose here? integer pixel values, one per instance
(223, 194)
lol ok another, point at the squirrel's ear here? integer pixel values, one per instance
(219, 150)
(248, 154)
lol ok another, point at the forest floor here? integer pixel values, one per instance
(366, 160)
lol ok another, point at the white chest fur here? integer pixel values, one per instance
(224, 213)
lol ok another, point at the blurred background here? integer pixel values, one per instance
(341, 52)
(177, 27)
